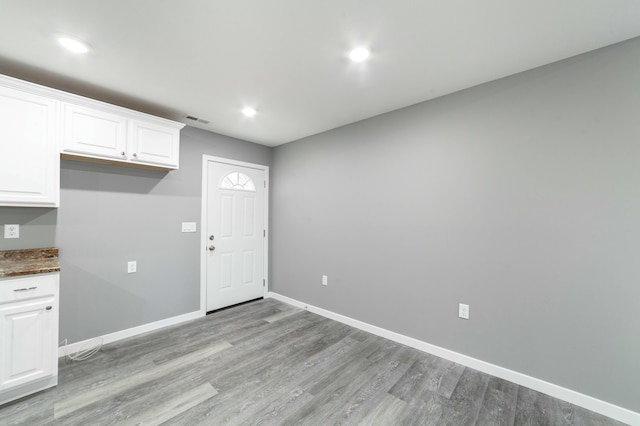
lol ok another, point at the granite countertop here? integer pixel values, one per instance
(15, 263)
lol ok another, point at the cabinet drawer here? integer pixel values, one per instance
(28, 287)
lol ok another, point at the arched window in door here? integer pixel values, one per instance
(237, 181)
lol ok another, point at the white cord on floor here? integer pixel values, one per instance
(87, 350)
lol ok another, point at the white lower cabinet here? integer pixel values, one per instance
(28, 335)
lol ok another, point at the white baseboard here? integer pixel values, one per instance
(576, 398)
(130, 332)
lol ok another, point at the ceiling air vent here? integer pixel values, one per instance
(199, 120)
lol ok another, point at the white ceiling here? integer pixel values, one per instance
(288, 58)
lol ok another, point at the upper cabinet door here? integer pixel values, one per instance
(93, 132)
(154, 144)
(29, 149)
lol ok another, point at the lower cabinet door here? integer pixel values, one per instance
(28, 335)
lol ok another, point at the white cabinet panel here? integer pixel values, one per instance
(94, 132)
(151, 143)
(27, 333)
(29, 146)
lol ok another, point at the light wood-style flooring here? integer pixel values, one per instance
(267, 363)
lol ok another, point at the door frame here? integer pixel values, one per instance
(203, 223)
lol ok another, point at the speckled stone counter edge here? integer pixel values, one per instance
(14, 263)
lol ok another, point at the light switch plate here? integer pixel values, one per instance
(463, 311)
(12, 231)
(189, 227)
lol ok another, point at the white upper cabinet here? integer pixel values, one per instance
(38, 125)
(94, 132)
(29, 147)
(151, 143)
(97, 132)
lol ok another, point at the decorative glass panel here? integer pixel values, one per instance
(238, 182)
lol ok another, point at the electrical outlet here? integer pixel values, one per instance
(188, 227)
(132, 267)
(463, 311)
(325, 280)
(12, 231)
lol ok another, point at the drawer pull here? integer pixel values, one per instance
(25, 289)
(48, 308)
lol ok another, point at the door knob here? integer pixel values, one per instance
(211, 237)
(212, 248)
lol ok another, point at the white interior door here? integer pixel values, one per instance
(235, 233)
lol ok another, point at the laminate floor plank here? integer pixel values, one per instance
(281, 315)
(285, 390)
(171, 408)
(584, 417)
(387, 412)
(371, 393)
(254, 381)
(466, 400)
(263, 381)
(337, 400)
(349, 365)
(276, 364)
(226, 320)
(28, 411)
(499, 405)
(156, 347)
(535, 408)
(89, 397)
(409, 385)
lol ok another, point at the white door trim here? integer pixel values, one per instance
(203, 222)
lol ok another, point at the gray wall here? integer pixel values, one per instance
(520, 197)
(110, 215)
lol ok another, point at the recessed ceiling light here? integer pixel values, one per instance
(249, 112)
(73, 44)
(359, 54)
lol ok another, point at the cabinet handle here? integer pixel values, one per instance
(124, 154)
(48, 308)
(135, 155)
(25, 289)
